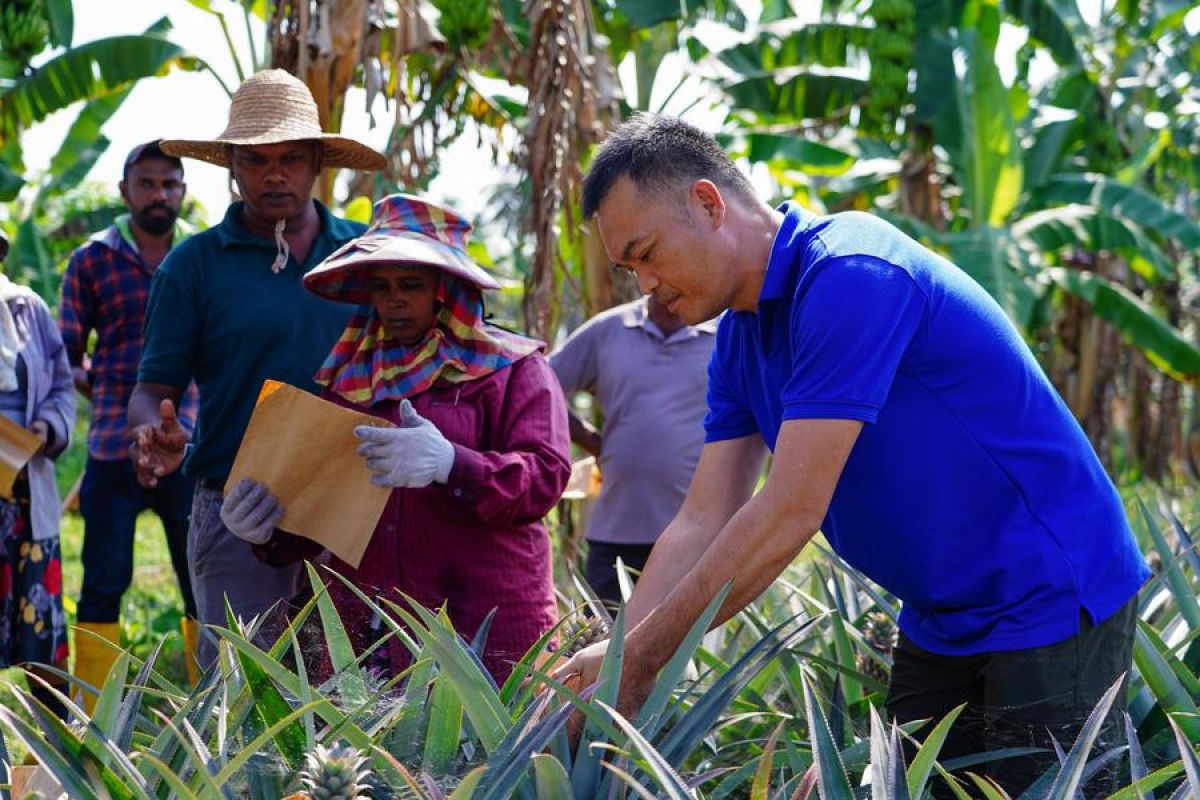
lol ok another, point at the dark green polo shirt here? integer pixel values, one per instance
(218, 315)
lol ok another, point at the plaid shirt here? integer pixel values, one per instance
(105, 289)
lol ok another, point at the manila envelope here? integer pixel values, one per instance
(303, 449)
(17, 446)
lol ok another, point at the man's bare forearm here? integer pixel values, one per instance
(145, 400)
(751, 551)
(757, 542)
(724, 481)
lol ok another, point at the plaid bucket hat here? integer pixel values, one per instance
(405, 230)
(271, 107)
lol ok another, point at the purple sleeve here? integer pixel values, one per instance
(525, 475)
(58, 409)
(574, 363)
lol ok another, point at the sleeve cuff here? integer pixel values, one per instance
(467, 475)
(863, 412)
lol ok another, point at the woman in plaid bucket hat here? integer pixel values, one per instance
(480, 454)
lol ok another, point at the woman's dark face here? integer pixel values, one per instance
(404, 299)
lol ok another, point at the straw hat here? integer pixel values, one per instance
(405, 230)
(270, 107)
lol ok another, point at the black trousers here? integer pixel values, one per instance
(601, 568)
(110, 500)
(1020, 699)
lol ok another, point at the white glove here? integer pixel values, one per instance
(251, 512)
(412, 456)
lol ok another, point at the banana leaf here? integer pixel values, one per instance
(1119, 200)
(791, 92)
(1087, 228)
(786, 44)
(977, 127)
(1163, 346)
(1055, 23)
(86, 72)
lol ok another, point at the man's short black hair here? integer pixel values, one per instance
(659, 153)
(146, 151)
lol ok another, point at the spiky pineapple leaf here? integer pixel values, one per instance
(923, 762)
(255, 746)
(480, 699)
(509, 763)
(650, 717)
(466, 789)
(445, 727)
(668, 779)
(694, 724)
(585, 768)
(550, 777)
(1161, 679)
(761, 787)
(1187, 752)
(1181, 588)
(1071, 771)
(340, 649)
(68, 770)
(832, 780)
(179, 789)
(269, 664)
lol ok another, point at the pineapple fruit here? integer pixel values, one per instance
(880, 633)
(334, 773)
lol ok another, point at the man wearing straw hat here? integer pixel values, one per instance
(227, 309)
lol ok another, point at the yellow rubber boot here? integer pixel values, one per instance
(96, 650)
(190, 629)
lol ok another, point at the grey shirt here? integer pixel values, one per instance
(652, 391)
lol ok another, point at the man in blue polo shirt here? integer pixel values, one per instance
(227, 309)
(909, 423)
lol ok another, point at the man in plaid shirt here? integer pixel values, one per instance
(105, 289)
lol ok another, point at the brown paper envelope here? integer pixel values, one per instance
(17, 446)
(303, 449)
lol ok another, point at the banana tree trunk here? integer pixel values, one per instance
(920, 192)
(1139, 420)
(605, 287)
(320, 41)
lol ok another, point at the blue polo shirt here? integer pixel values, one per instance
(219, 315)
(972, 494)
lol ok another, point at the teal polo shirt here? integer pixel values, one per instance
(218, 315)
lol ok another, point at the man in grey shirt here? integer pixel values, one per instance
(648, 372)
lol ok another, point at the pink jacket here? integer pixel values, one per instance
(477, 542)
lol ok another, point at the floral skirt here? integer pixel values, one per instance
(33, 624)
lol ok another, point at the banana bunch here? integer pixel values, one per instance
(464, 23)
(24, 29)
(890, 48)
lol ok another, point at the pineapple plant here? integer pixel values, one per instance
(334, 773)
(579, 635)
(880, 633)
